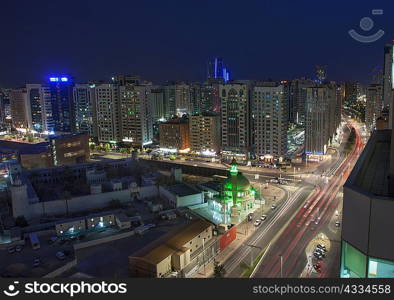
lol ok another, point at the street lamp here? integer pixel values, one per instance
(203, 254)
(281, 265)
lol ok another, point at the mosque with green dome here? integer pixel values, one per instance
(238, 196)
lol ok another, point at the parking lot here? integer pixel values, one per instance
(34, 263)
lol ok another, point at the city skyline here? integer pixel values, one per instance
(275, 43)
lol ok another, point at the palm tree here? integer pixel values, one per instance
(218, 271)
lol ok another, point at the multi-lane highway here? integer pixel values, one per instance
(287, 255)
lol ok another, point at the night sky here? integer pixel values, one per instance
(172, 40)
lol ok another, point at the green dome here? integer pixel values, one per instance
(237, 181)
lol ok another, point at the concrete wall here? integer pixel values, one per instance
(103, 240)
(78, 204)
(62, 269)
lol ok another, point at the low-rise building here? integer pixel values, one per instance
(172, 252)
(182, 195)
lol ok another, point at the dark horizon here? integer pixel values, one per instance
(161, 42)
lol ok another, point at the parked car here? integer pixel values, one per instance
(11, 249)
(320, 246)
(337, 224)
(52, 240)
(273, 206)
(36, 262)
(18, 248)
(257, 223)
(60, 255)
(317, 255)
(263, 217)
(274, 180)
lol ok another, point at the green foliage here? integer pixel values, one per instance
(218, 270)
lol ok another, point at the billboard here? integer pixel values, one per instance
(229, 236)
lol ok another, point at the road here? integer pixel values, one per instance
(266, 232)
(286, 257)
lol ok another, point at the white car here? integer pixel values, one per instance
(257, 223)
(273, 206)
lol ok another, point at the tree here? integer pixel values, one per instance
(218, 270)
(21, 221)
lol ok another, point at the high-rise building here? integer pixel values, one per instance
(195, 103)
(367, 247)
(34, 106)
(169, 100)
(157, 104)
(59, 104)
(175, 134)
(295, 92)
(217, 70)
(18, 105)
(107, 116)
(388, 78)
(182, 99)
(136, 123)
(374, 105)
(352, 92)
(235, 118)
(126, 79)
(321, 73)
(270, 122)
(84, 108)
(210, 99)
(322, 118)
(205, 133)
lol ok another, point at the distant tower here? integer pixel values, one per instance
(321, 73)
(217, 70)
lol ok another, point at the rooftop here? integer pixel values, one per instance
(24, 148)
(173, 242)
(371, 172)
(182, 190)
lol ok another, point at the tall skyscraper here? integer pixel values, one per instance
(18, 104)
(59, 104)
(270, 122)
(84, 107)
(34, 106)
(217, 70)
(322, 118)
(235, 118)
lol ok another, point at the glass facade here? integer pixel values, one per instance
(354, 264)
(380, 268)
